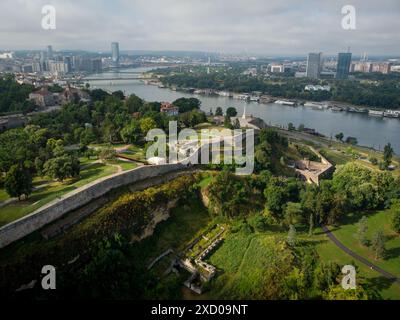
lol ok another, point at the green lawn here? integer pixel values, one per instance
(335, 157)
(346, 233)
(330, 252)
(125, 165)
(52, 191)
(3, 195)
(135, 153)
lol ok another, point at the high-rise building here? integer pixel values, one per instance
(86, 64)
(58, 67)
(68, 62)
(115, 54)
(49, 52)
(314, 65)
(343, 65)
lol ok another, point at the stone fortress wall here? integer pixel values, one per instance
(77, 198)
(96, 189)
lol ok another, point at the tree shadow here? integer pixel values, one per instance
(392, 253)
(379, 283)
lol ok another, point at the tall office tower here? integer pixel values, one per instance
(343, 65)
(115, 54)
(314, 65)
(68, 62)
(49, 52)
(43, 64)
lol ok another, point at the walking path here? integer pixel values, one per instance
(359, 258)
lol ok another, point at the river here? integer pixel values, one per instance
(370, 131)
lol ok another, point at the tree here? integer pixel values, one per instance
(227, 123)
(18, 181)
(146, 124)
(231, 112)
(133, 103)
(229, 194)
(119, 94)
(236, 124)
(131, 132)
(291, 238)
(311, 225)
(218, 111)
(373, 161)
(108, 154)
(291, 127)
(339, 136)
(187, 104)
(378, 244)
(351, 140)
(396, 221)
(62, 167)
(362, 231)
(336, 292)
(388, 153)
(293, 212)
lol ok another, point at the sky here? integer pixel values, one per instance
(268, 27)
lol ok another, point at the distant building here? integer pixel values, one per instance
(49, 52)
(13, 121)
(277, 68)
(86, 64)
(382, 67)
(68, 62)
(73, 95)
(395, 69)
(169, 109)
(42, 98)
(115, 54)
(250, 72)
(27, 68)
(343, 65)
(58, 67)
(314, 65)
(368, 66)
(7, 55)
(311, 87)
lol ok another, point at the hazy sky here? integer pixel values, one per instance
(245, 26)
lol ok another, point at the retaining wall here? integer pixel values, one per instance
(77, 198)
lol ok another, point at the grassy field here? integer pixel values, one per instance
(241, 260)
(346, 233)
(51, 191)
(330, 252)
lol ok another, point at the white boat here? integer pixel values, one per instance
(315, 106)
(284, 102)
(255, 99)
(392, 114)
(245, 97)
(375, 113)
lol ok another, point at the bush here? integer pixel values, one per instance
(373, 160)
(259, 222)
(396, 221)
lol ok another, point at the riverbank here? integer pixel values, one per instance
(334, 106)
(373, 132)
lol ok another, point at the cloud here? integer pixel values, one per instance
(257, 26)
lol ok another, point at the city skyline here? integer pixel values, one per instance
(272, 29)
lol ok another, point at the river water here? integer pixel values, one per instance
(370, 131)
